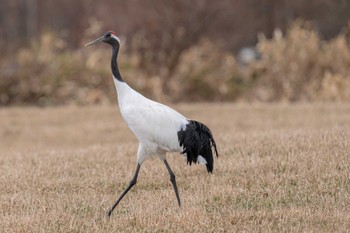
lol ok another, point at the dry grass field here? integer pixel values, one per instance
(282, 168)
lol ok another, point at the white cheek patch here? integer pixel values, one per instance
(115, 37)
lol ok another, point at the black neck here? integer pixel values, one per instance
(114, 63)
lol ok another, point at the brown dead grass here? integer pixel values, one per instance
(282, 168)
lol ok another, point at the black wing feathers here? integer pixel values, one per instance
(196, 140)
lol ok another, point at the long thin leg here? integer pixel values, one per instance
(173, 181)
(132, 183)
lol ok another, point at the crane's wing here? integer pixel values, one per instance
(153, 122)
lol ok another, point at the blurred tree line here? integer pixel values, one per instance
(160, 31)
(165, 24)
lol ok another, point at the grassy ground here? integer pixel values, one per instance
(281, 168)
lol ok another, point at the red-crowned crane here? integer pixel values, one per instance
(158, 128)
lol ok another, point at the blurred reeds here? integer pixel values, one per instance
(297, 66)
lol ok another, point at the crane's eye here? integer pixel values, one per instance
(108, 35)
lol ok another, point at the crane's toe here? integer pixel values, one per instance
(109, 213)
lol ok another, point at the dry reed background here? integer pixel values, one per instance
(282, 168)
(296, 66)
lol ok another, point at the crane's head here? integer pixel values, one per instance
(109, 37)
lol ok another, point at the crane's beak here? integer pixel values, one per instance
(98, 40)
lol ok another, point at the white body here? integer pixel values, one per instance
(155, 125)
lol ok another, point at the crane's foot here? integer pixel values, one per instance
(109, 213)
(132, 183)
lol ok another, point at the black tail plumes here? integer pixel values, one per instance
(197, 140)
